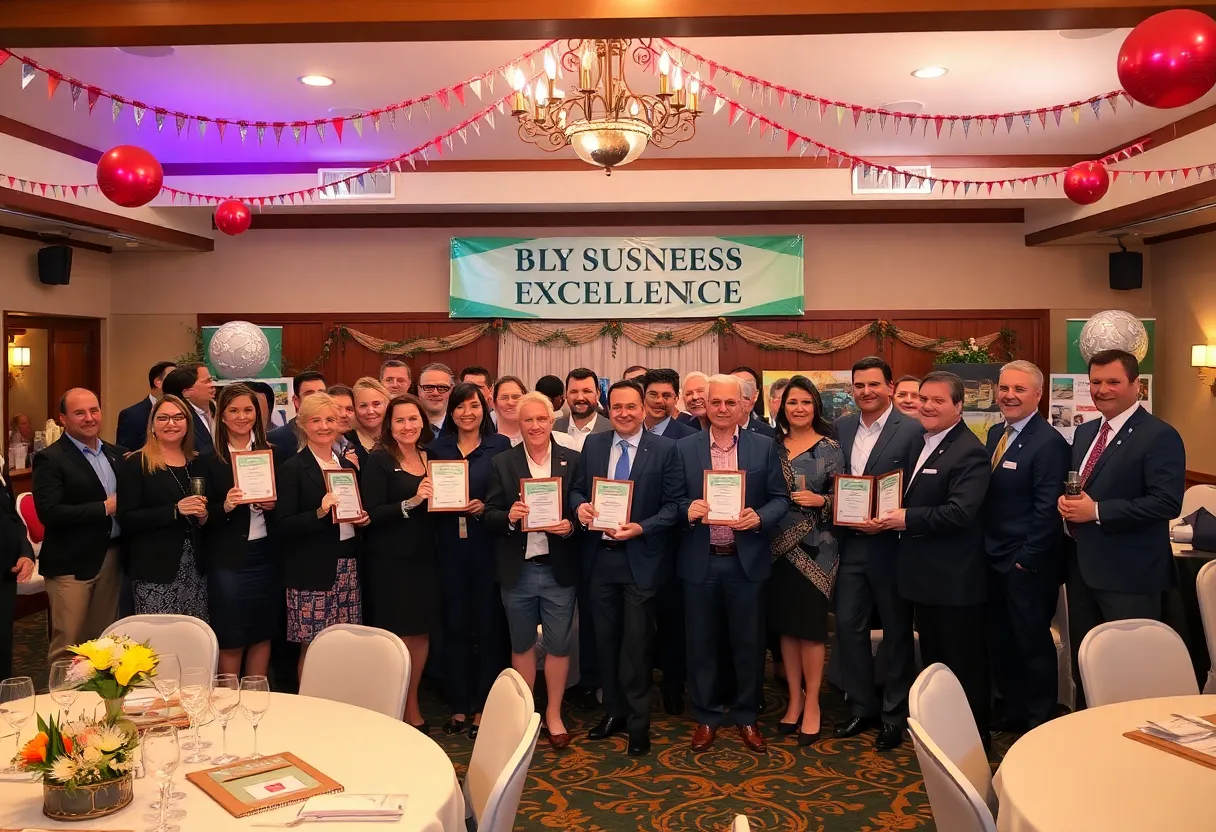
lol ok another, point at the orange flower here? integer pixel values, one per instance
(67, 743)
(35, 750)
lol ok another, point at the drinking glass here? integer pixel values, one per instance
(168, 683)
(17, 705)
(196, 699)
(62, 686)
(255, 699)
(225, 697)
(161, 755)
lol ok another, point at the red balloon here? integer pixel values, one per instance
(1086, 182)
(129, 176)
(1169, 60)
(232, 217)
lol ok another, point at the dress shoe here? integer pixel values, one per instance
(454, 726)
(805, 739)
(558, 741)
(703, 737)
(606, 727)
(753, 739)
(639, 743)
(473, 729)
(673, 702)
(855, 726)
(889, 737)
(422, 726)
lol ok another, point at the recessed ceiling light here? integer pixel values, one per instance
(147, 51)
(316, 80)
(929, 72)
(910, 107)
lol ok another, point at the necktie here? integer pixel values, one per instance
(622, 463)
(1000, 446)
(1099, 447)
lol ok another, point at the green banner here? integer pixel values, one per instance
(1077, 364)
(600, 278)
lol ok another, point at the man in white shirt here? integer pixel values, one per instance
(583, 397)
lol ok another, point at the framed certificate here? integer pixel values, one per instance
(724, 492)
(449, 485)
(253, 473)
(890, 493)
(853, 503)
(543, 497)
(344, 484)
(612, 500)
(249, 787)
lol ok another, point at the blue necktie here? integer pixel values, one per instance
(622, 463)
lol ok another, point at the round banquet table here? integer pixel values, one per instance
(365, 751)
(1079, 772)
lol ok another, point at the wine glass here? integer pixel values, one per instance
(17, 706)
(62, 686)
(225, 697)
(196, 698)
(255, 699)
(168, 683)
(161, 755)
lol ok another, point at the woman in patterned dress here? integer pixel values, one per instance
(805, 551)
(319, 555)
(160, 516)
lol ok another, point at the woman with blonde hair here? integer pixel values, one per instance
(371, 402)
(161, 510)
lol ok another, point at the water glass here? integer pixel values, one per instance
(196, 699)
(225, 697)
(255, 699)
(62, 686)
(17, 706)
(161, 755)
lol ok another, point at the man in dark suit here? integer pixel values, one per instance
(662, 391)
(1133, 468)
(941, 568)
(748, 420)
(193, 384)
(725, 565)
(876, 440)
(16, 566)
(75, 482)
(627, 565)
(133, 420)
(1022, 541)
(696, 387)
(284, 438)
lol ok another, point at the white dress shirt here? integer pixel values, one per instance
(864, 442)
(257, 520)
(563, 439)
(538, 542)
(202, 414)
(932, 440)
(579, 435)
(346, 531)
(1116, 425)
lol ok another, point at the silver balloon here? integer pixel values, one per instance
(1113, 329)
(239, 349)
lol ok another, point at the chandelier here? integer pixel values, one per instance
(604, 120)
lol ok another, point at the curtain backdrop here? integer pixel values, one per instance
(517, 357)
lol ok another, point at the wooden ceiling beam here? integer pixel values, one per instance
(1182, 199)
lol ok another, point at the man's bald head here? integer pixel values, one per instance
(80, 414)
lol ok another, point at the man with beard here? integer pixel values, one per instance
(583, 397)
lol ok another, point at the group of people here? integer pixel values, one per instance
(971, 562)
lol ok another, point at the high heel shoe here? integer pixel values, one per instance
(805, 739)
(787, 728)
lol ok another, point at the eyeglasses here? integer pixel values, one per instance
(176, 418)
(435, 388)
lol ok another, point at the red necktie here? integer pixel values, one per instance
(1099, 447)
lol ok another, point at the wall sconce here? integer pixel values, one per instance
(1203, 357)
(18, 360)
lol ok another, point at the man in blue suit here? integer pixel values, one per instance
(662, 389)
(133, 420)
(626, 565)
(192, 383)
(1023, 544)
(724, 566)
(1133, 469)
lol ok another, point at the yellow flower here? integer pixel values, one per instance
(99, 656)
(135, 659)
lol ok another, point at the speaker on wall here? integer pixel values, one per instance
(1126, 269)
(55, 265)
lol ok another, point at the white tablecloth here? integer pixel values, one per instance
(365, 751)
(1079, 773)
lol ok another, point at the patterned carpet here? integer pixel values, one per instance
(837, 786)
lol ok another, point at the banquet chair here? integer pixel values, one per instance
(1205, 588)
(1137, 658)
(358, 665)
(1197, 497)
(939, 705)
(191, 639)
(741, 824)
(502, 753)
(956, 805)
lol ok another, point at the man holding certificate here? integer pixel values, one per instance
(736, 494)
(628, 498)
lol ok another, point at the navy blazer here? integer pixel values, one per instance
(285, 441)
(689, 421)
(1021, 522)
(479, 542)
(677, 430)
(1137, 483)
(896, 449)
(658, 485)
(941, 555)
(133, 424)
(764, 491)
(203, 443)
(758, 425)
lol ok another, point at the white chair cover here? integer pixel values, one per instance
(1137, 658)
(1197, 497)
(741, 824)
(1205, 588)
(937, 702)
(502, 754)
(358, 665)
(191, 639)
(956, 805)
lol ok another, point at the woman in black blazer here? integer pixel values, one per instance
(318, 554)
(401, 575)
(371, 401)
(160, 516)
(243, 582)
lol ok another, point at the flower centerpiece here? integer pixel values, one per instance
(111, 666)
(967, 352)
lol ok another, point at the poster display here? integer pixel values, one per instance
(1071, 406)
(835, 388)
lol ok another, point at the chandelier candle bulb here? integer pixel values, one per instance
(518, 105)
(550, 67)
(664, 75)
(694, 93)
(584, 73)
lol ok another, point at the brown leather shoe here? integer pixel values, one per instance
(753, 739)
(559, 741)
(703, 737)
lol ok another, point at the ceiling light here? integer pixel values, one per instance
(929, 72)
(316, 80)
(147, 51)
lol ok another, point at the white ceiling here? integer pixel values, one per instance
(989, 72)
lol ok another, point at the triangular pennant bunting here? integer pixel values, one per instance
(475, 86)
(243, 127)
(27, 75)
(458, 91)
(159, 115)
(358, 123)
(75, 90)
(115, 109)
(138, 110)
(338, 124)
(52, 83)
